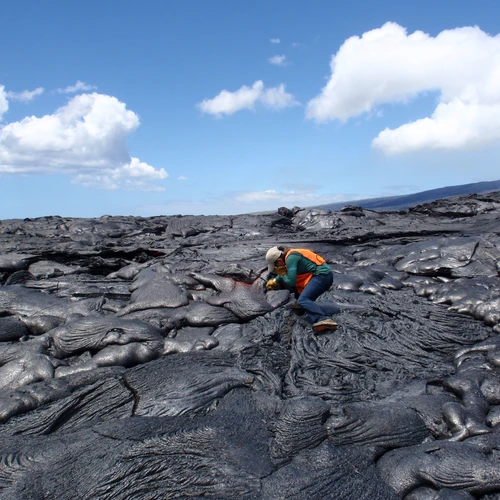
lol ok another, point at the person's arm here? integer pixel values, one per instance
(290, 278)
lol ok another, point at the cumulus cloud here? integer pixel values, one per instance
(278, 60)
(275, 40)
(455, 125)
(246, 98)
(77, 87)
(4, 103)
(25, 95)
(387, 65)
(86, 138)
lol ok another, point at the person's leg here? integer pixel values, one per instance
(316, 286)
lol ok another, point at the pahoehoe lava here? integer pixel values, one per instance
(142, 358)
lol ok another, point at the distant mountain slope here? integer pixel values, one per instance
(405, 201)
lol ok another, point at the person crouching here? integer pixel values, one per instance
(306, 272)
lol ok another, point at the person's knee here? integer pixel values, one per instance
(302, 300)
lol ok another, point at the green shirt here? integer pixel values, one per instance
(296, 263)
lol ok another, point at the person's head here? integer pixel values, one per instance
(275, 257)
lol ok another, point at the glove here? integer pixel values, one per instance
(281, 270)
(272, 284)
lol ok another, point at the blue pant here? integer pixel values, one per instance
(316, 286)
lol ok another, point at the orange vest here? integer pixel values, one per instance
(303, 279)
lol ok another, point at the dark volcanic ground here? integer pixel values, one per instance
(140, 358)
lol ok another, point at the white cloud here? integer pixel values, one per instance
(246, 98)
(263, 196)
(277, 98)
(137, 168)
(452, 126)
(278, 60)
(25, 95)
(182, 178)
(86, 138)
(386, 65)
(95, 181)
(4, 104)
(274, 198)
(137, 185)
(77, 87)
(275, 40)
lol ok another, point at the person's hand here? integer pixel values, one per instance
(272, 284)
(281, 270)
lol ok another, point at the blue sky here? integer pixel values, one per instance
(226, 107)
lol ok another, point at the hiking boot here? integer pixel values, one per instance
(325, 324)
